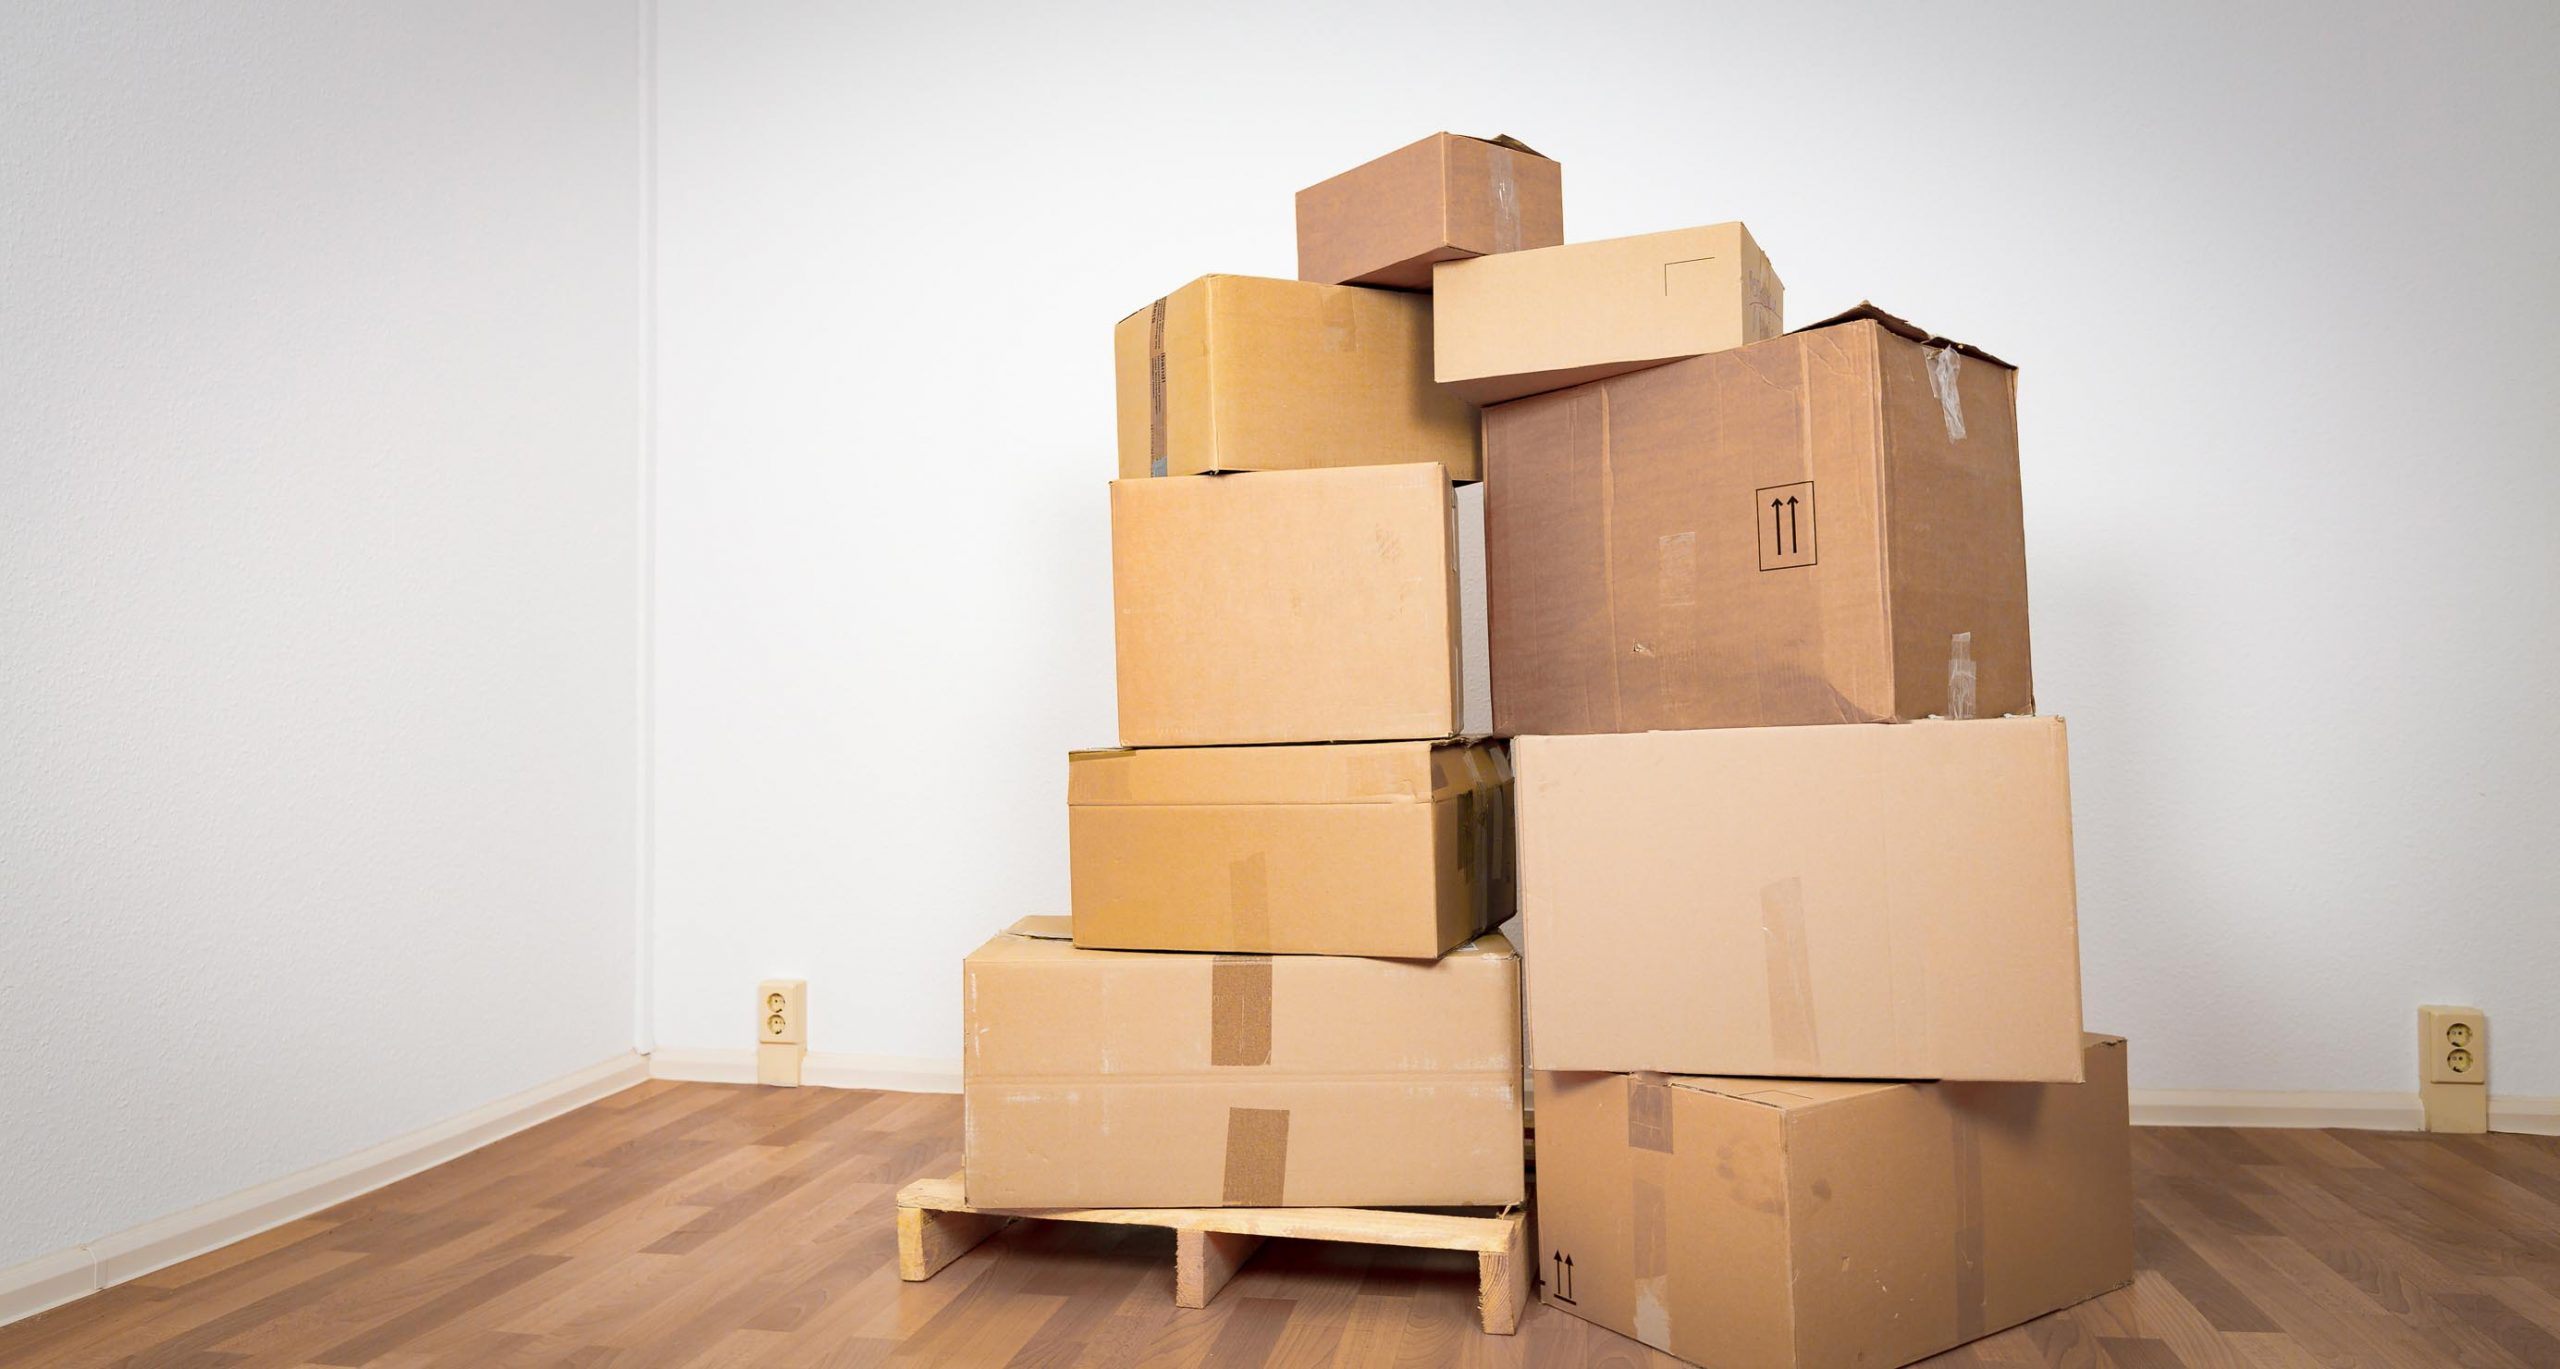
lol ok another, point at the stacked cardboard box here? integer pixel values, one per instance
(1791, 847)
(1281, 984)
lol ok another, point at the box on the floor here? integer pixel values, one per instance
(1820, 528)
(1769, 1223)
(1520, 323)
(1378, 849)
(1444, 198)
(1150, 1079)
(1243, 373)
(1868, 902)
(1293, 606)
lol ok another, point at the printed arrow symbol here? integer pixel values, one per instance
(1777, 530)
(1793, 536)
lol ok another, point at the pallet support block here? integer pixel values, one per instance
(1203, 1261)
(929, 1239)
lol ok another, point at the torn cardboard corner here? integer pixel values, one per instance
(1768, 1224)
(1136, 1079)
(1382, 848)
(1242, 373)
(1820, 902)
(1824, 527)
(1523, 323)
(1292, 606)
(1385, 222)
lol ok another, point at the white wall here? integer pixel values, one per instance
(317, 592)
(2280, 281)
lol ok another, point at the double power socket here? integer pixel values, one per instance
(2453, 1068)
(782, 1031)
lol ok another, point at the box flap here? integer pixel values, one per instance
(1506, 140)
(1323, 773)
(1042, 926)
(1786, 1095)
(1866, 311)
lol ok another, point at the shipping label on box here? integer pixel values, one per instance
(1444, 198)
(1772, 1223)
(1821, 528)
(1379, 849)
(1143, 1079)
(1527, 322)
(1872, 902)
(1241, 373)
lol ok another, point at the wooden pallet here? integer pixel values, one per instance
(936, 1225)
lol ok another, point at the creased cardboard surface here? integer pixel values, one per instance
(1868, 902)
(1386, 221)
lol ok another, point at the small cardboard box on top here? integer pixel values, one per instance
(1242, 373)
(1378, 849)
(1137, 1079)
(1521, 323)
(1295, 606)
(1820, 528)
(1446, 197)
(1869, 902)
(1771, 1223)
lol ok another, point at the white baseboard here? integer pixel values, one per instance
(65, 1275)
(2234, 1108)
(737, 1065)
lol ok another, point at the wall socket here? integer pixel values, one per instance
(782, 1031)
(2453, 1068)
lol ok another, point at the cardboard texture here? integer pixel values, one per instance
(1807, 902)
(1526, 322)
(1765, 1224)
(1239, 373)
(1444, 198)
(1821, 528)
(1136, 1079)
(1379, 849)
(1290, 606)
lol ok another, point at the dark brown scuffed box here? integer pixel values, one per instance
(1822, 527)
(1444, 198)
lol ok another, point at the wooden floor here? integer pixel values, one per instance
(704, 1224)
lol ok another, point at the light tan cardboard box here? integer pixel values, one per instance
(1240, 373)
(1525, 322)
(1768, 1224)
(1875, 902)
(1820, 528)
(1380, 849)
(1147, 1079)
(1291, 606)
(1444, 198)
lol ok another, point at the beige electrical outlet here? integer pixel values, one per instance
(778, 1063)
(782, 1012)
(2453, 1068)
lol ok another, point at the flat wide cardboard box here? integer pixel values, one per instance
(1240, 373)
(1769, 1224)
(1873, 902)
(1820, 528)
(1525, 322)
(1147, 1079)
(1444, 198)
(1379, 848)
(1292, 606)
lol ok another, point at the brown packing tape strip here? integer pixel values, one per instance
(1240, 1010)
(1649, 1115)
(1377, 773)
(1156, 463)
(1257, 1157)
(1970, 1288)
(1649, 1140)
(1793, 1047)
(1249, 900)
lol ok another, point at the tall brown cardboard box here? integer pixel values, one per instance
(1446, 197)
(1770, 1223)
(1240, 373)
(1525, 322)
(1820, 528)
(1378, 849)
(1141, 1079)
(1876, 902)
(1290, 606)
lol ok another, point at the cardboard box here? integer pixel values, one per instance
(1382, 848)
(1291, 606)
(1239, 373)
(1442, 199)
(1765, 1224)
(1141, 1079)
(1525, 322)
(1808, 902)
(1820, 528)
